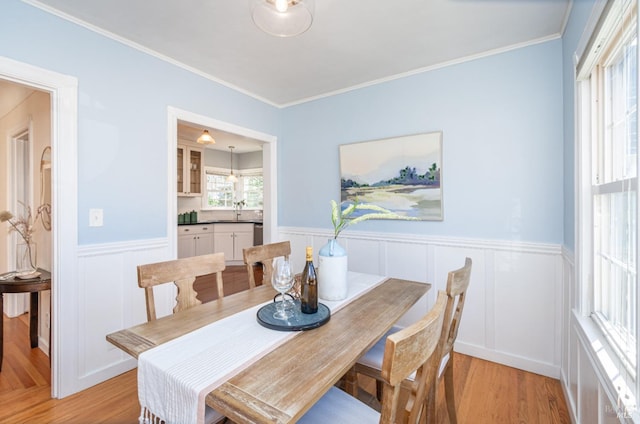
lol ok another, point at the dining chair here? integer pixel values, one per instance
(415, 349)
(371, 362)
(264, 254)
(183, 273)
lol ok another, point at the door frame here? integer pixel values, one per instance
(269, 171)
(63, 90)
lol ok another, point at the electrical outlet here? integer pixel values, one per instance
(95, 217)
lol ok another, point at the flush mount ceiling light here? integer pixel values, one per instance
(231, 178)
(206, 138)
(282, 18)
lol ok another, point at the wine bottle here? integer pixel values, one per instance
(309, 286)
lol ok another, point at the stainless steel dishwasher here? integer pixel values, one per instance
(257, 234)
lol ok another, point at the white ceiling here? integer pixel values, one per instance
(351, 43)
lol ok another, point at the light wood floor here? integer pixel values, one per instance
(485, 392)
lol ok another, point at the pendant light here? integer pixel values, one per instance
(231, 178)
(282, 18)
(206, 138)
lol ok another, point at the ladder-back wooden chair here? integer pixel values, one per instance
(183, 273)
(264, 254)
(415, 349)
(370, 363)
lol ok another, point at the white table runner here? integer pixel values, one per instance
(175, 377)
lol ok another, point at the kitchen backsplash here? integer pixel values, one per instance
(188, 204)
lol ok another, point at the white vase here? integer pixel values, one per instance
(332, 271)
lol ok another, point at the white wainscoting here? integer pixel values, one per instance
(513, 312)
(590, 396)
(520, 311)
(110, 300)
(512, 315)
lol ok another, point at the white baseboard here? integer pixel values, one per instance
(522, 363)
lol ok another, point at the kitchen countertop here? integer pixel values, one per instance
(226, 221)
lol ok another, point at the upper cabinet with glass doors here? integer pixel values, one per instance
(190, 170)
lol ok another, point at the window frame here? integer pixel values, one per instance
(607, 181)
(609, 41)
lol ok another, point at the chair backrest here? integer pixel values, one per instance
(264, 254)
(183, 273)
(414, 348)
(457, 284)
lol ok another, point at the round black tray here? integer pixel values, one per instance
(297, 322)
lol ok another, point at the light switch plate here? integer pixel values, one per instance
(95, 217)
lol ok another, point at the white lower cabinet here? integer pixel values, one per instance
(195, 240)
(231, 239)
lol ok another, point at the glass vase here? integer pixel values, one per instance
(26, 258)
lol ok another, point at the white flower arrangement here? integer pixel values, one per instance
(24, 225)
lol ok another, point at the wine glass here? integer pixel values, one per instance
(282, 281)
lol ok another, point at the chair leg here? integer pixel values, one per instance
(379, 389)
(448, 391)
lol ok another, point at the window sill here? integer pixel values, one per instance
(608, 369)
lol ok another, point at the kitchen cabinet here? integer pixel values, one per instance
(195, 240)
(231, 239)
(190, 163)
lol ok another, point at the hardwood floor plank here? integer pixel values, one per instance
(113, 401)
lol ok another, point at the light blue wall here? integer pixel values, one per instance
(122, 128)
(501, 118)
(580, 13)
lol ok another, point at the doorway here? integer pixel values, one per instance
(25, 131)
(62, 123)
(269, 167)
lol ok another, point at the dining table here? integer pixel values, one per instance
(282, 383)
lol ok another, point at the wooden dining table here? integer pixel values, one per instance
(283, 384)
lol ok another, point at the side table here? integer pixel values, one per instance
(33, 286)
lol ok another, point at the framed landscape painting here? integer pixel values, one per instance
(402, 174)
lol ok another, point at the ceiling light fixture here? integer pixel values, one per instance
(231, 178)
(282, 18)
(206, 138)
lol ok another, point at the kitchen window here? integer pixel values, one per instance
(608, 204)
(252, 190)
(221, 194)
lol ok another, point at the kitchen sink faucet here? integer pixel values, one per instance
(238, 207)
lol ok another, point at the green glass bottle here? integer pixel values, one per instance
(309, 286)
